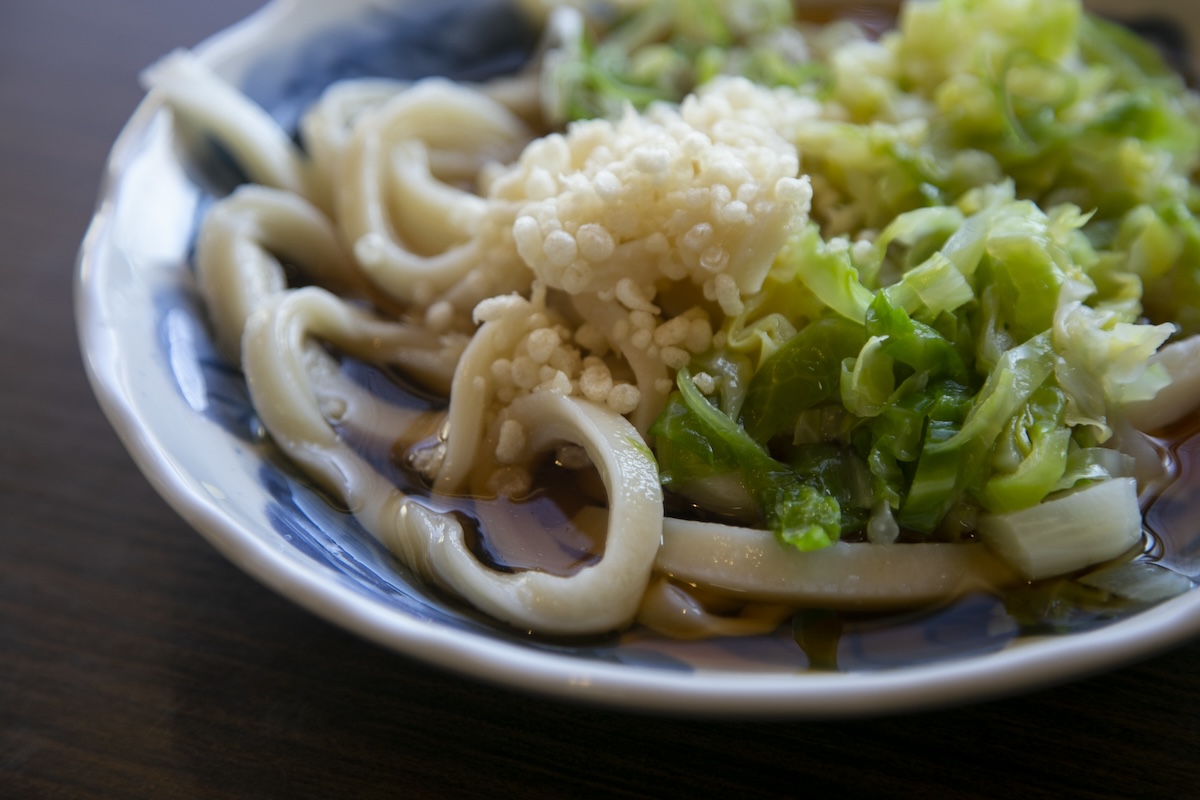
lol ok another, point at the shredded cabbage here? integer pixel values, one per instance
(1002, 235)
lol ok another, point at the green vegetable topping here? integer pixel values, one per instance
(1002, 232)
(664, 49)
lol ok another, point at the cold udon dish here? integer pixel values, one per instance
(779, 316)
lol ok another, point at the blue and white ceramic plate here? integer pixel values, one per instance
(185, 417)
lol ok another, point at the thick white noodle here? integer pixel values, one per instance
(472, 395)
(238, 250)
(600, 597)
(753, 565)
(676, 611)
(280, 364)
(296, 318)
(398, 227)
(429, 215)
(327, 126)
(262, 149)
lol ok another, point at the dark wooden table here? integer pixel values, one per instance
(136, 662)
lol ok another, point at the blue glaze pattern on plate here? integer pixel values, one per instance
(975, 625)
(206, 382)
(462, 40)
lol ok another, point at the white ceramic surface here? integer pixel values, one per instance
(184, 417)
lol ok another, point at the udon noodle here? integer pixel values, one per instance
(553, 282)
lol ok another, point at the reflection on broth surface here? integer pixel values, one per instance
(557, 526)
(1172, 517)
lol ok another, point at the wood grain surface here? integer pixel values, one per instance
(136, 662)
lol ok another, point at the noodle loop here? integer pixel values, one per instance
(290, 376)
(238, 252)
(414, 231)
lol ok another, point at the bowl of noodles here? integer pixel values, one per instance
(728, 359)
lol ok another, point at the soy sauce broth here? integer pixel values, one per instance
(557, 527)
(549, 529)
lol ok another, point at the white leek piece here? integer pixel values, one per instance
(1089, 526)
(1177, 399)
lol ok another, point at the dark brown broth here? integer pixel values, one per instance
(534, 531)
